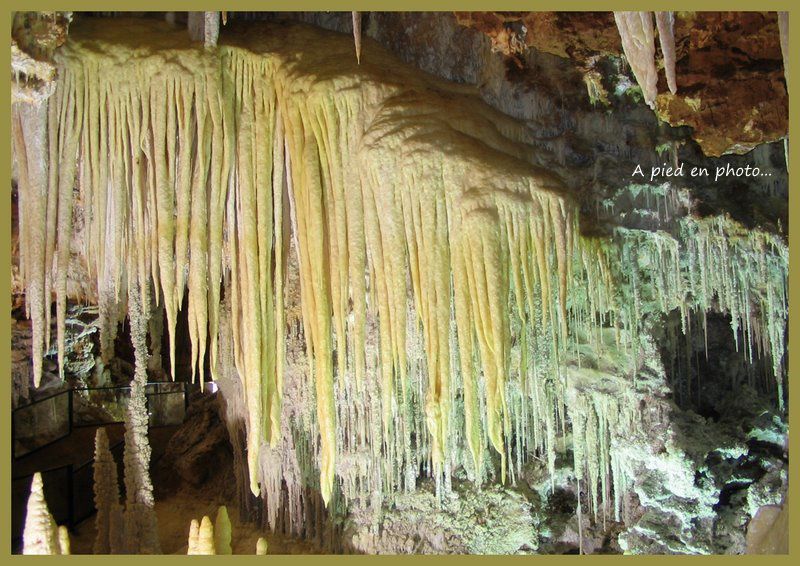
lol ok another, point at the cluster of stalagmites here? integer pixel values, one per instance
(207, 538)
(118, 531)
(443, 279)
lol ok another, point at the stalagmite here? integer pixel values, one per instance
(211, 26)
(106, 495)
(194, 538)
(63, 540)
(41, 534)
(261, 546)
(205, 537)
(116, 529)
(141, 531)
(222, 531)
(201, 537)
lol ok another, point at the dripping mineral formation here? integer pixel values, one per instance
(398, 293)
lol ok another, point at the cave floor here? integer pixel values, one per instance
(176, 512)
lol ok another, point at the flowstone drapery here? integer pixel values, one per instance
(443, 279)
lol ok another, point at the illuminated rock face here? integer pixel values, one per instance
(385, 286)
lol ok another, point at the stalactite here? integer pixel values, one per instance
(64, 147)
(357, 34)
(636, 31)
(665, 22)
(638, 43)
(29, 123)
(783, 29)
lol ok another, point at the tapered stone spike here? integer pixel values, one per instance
(106, 495)
(41, 533)
(357, 34)
(222, 531)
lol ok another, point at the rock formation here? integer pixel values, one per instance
(141, 528)
(201, 537)
(106, 498)
(418, 307)
(42, 535)
(222, 531)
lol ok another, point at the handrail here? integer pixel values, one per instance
(45, 471)
(70, 423)
(72, 518)
(43, 399)
(87, 388)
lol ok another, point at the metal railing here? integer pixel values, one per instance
(67, 491)
(44, 421)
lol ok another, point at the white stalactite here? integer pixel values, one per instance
(783, 29)
(636, 31)
(665, 22)
(357, 34)
(638, 43)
